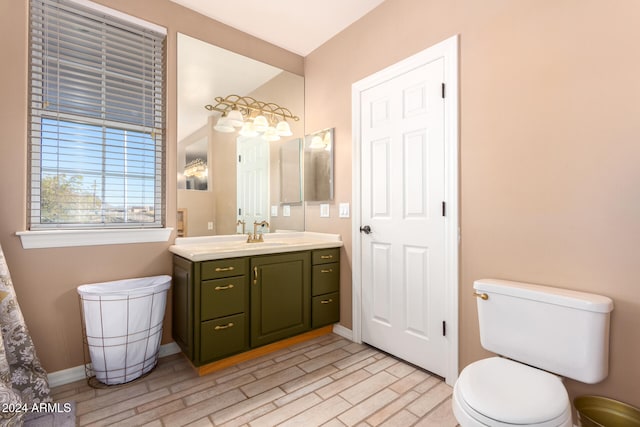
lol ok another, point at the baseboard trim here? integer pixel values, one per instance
(66, 376)
(169, 349)
(77, 373)
(338, 329)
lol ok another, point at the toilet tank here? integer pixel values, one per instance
(561, 331)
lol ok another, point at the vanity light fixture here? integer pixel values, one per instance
(196, 168)
(252, 116)
(321, 142)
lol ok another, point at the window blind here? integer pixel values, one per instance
(96, 122)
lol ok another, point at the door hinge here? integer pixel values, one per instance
(443, 90)
(444, 328)
(444, 208)
(239, 211)
(239, 158)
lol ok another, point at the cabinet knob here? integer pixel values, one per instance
(326, 301)
(327, 271)
(326, 256)
(223, 288)
(219, 269)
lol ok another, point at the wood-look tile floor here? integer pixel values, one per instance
(327, 381)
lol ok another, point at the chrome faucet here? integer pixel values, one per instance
(255, 238)
(241, 222)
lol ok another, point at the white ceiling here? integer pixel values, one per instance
(299, 26)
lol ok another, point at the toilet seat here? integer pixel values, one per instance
(501, 392)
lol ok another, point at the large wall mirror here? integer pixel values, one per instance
(233, 175)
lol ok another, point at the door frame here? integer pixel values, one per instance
(447, 49)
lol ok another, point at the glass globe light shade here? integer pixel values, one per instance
(271, 135)
(235, 118)
(316, 143)
(223, 125)
(248, 130)
(260, 123)
(283, 129)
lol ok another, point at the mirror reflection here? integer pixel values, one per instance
(231, 170)
(193, 164)
(318, 166)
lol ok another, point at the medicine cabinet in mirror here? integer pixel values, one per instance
(227, 176)
(318, 166)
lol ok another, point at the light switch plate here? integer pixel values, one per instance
(274, 210)
(324, 210)
(343, 210)
(286, 210)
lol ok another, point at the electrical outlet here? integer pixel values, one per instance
(274, 210)
(210, 225)
(324, 210)
(286, 210)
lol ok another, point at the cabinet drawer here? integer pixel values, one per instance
(222, 297)
(323, 256)
(223, 337)
(223, 268)
(325, 309)
(325, 278)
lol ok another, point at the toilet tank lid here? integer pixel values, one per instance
(552, 295)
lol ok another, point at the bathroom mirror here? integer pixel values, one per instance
(318, 166)
(220, 181)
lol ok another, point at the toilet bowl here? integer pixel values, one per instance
(500, 392)
(539, 332)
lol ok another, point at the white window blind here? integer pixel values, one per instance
(96, 123)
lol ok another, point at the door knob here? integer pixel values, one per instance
(365, 229)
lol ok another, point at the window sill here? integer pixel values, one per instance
(69, 238)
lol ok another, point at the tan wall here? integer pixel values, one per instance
(46, 279)
(550, 147)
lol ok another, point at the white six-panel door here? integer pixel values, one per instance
(252, 180)
(403, 247)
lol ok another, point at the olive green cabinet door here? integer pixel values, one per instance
(280, 296)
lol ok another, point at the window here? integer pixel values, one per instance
(96, 123)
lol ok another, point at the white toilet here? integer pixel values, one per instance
(542, 334)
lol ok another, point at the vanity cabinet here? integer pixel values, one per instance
(325, 279)
(225, 307)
